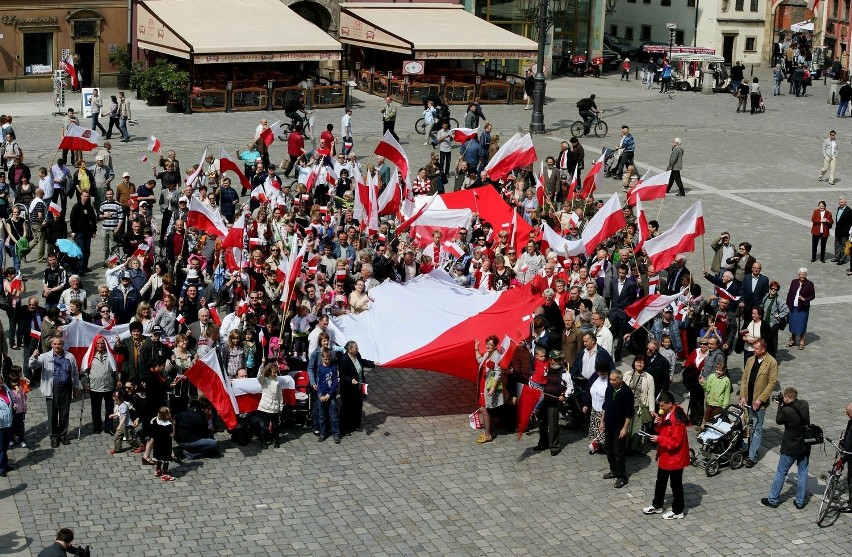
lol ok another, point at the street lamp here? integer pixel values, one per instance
(537, 120)
(672, 31)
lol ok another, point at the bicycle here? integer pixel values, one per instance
(420, 125)
(597, 125)
(288, 127)
(832, 486)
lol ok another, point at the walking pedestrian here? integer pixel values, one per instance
(754, 94)
(742, 94)
(96, 103)
(842, 226)
(625, 69)
(123, 116)
(829, 157)
(675, 166)
(794, 415)
(616, 418)
(389, 117)
(845, 94)
(672, 456)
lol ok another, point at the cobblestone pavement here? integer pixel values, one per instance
(416, 482)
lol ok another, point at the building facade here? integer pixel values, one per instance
(640, 21)
(35, 34)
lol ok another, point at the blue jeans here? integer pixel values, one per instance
(122, 127)
(199, 448)
(784, 464)
(777, 89)
(756, 427)
(841, 110)
(84, 242)
(328, 417)
(735, 85)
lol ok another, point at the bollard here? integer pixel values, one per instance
(269, 84)
(751, 71)
(229, 87)
(637, 72)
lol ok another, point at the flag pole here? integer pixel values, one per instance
(660, 211)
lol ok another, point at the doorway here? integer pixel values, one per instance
(86, 64)
(728, 42)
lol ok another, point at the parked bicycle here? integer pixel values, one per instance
(596, 125)
(831, 498)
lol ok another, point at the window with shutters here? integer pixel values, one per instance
(84, 29)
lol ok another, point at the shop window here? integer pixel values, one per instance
(84, 29)
(753, 6)
(750, 44)
(628, 33)
(38, 53)
(679, 36)
(613, 30)
(645, 33)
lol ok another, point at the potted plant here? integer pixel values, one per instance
(121, 59)
(173, 82)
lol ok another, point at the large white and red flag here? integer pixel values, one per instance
(679, 238)
(449, 318)
(447, 221)
(78, 138)
(236, 235)
(642, 230)
(204, 218)
(372, 224)
(572, 187)
(646, 308)
(559, 244)
(206, 374)
(390, 149)
(68, 66)
(248, 392)
(604, 224)
(270, 133)
(154, 145)
(722, 293)
(294, 271)
(79, 336)
(390, 200)
(518, 152)
(650, 189)
(594, 179)
(227, 164)
(460, 135)
(190, 180)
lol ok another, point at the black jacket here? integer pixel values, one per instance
(191, 426)
(348, 372)
(84, 219)
(793, 440)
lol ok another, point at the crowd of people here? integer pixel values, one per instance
(172, 282)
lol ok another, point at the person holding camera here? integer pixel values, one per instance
(759, 376)
(794, 415)
(62, 545)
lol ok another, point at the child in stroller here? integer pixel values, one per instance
(721, 442)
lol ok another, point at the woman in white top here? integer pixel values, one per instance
(758, 328)
(593, 402)
(642, 385)
(754, 95)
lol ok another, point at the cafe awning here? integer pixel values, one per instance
(227, 31)
(429, 31)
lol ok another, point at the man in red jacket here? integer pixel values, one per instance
(672, 456)
(295, 148)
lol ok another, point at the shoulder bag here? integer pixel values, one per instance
(813, 432)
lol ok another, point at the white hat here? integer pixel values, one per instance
(183, 199)
(99, 158)
(126, 175)
(192, 274)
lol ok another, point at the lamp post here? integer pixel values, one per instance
(537, 120)
(672, 30)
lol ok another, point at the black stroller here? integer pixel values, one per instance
(721, 442)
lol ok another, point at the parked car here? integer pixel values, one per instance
(620, 46)
(644, 55)
(612, 60)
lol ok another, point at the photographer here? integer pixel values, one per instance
(62, 545)
(794, 415)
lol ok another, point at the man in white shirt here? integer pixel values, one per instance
(829, 155)
(322, 327)
(602, 332)
(346, 130)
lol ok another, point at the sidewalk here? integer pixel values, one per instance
(12, 539)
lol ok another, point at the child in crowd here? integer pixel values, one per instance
(126, 427)
(539, 374)
(301, 326)
(669, 354)
(162, 432)
(20, 386)
(327, 382)
(717, 388)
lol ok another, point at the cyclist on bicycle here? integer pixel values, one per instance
(292, 108)
(587, 109)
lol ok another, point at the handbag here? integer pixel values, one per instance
(813, 432)
(782, 322)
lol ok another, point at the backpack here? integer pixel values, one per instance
(584, 104)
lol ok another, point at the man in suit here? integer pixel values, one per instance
(203, 329)
(675, 273)
(759, 376)
(725, 282)
(755, 287)
(551, 177)
(624, 291)
(842, 224)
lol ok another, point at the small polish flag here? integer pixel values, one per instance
(720, 293)
(633, 323)
(382, 238)
(35, 334)
(526, 318)
(141, 251)
(364, 389)
(653, 284)
(181, 318)
(313, 263)
(597, 270)
(323, 210)
(17, 283)
(340, 275)
(262, 338)
(55, 208)
(112, 261)
(214, 314)
(507, 349)
(454, 249)
(154, 145)
(144, 159)
(242, 308)
(525, 268)
(133, 202)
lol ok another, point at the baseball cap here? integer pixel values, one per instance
(126, 175)
(125, 275)
(144, 204)
(99, 158)
(156, 330)
(62, 307)
(183, 199)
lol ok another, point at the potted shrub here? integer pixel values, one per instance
(120, 59)
(173, 82)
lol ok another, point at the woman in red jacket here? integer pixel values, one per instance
(821, 222)
(672, 456)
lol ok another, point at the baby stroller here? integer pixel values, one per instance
(761, 107)
(721, 443)
(297, 405)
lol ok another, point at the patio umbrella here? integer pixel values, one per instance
(69, 248)
(802, 26)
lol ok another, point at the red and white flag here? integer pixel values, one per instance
(248, 392)
(372, 224)
(646, 308)
(404, 225)
(679, 238)
(54, 208)
(559, 244)
(78, 138)
(242, 308)
(78, 336)
(540, 191)
(154, 145)
(650, 189)
(190, 180)
(141, 250)
(313, 263)
(227, 164)
(312, 179)
(527, 402)
(207, 376)
(181, 318)
(214, 314)
(294, 271)
(453, 249)
(269, 134)
(447, 221)
(204, 218)
(68, 66)
(390, 200)
(507, 349)
(642, 230)
(460, 135)
(390, 149)
(89, 357)
(17, 283)
(653, 284)
(572, 187)
(35, 334)
(598, 269)
(363, 388)
(236, 235)
(722, 293)
(259, 193)
(593, 180)
(282, 270)
(605, 223)
(517, 152)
